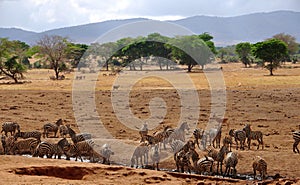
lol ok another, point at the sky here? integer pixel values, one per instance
(42, 15)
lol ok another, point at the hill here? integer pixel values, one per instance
(226, 30)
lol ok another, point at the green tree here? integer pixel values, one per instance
(190, 50)
(12, 53)
(290, 41)
(244, 50)
(74, 52)
(207, 38)
(54, 49)
(271, 51)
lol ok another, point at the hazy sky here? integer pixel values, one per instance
(41, 15)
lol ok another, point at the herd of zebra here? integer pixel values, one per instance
(186, 156)
(30, 143)
(184, 152)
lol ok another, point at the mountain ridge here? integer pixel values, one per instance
(252, 27)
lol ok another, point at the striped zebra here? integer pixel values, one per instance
(79, 149)
(140, 152)
(227, 140)
(31, 134)
(238, 135)
(78, 137)
(182, 160)
(230, 161)
(11, 127)
(155, 156)
(179, 133)
(50, 127)
(215, 137)
(63, 130)
(50, 149)
(7, 142)
(253, 135)
(220, 157)
(202, 165)
(198, 134)
(161, 136)
(176, 145)
(24, 146)
(106, 152)
(143, 131)
(259, 164)
(296, 137)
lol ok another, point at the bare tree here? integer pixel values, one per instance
(54, 48)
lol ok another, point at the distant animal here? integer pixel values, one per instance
(50, 127)
(31, 134)
(106, 152)
(79, 149)
(296, 137)
(50, 149)
(11, 127)
(230, 162)
(24, 146)
(143, 131)
(116, 87)
(227, 140)
(7, 142)
(140, 152)
(78, 137)
(198, 135)
(215, 136)
(239, 136)
(259, 164)
(203, 165)
(253, 135)
(220, 157)
(182, 160)
(179, 133)
(63, 130)
(155, 156)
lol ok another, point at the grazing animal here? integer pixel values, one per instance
(140, 152)
(50, 127)
(179, 133)
(230, 161)
(106, 152)
(296, 137)
(253, 135)
(155, 156)
(162, 136)
(202, 165)
(198, 134)
(79, 149)
(259, 164)
(32, 134)
(176, 145)
(239, 135)
(227, 140)
(50, 149)
(151, 140)
(182, 160)
(63, 130)
(24, 146)
(78, 137)
(7, 142)
(10, 127)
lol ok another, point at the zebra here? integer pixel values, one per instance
(220, 157)
(32, 134)
(259, 164)
(106, 152)
(155, 156)
(50, 149)
(253, 135)
(182, 160)
(79, 149)
(143, 131)
(176, 145)
(10, 127)
(198, 134)
(227, 140)
(78, 137)
(230, 161)
(24, 146)
(50, 127)
(161, 136)
(7, 142)
(239, 135)
(151, 140)
(296, 137)
(63, 130)
(215, 137)
(140, 152)
(179, 133)
(202, 165)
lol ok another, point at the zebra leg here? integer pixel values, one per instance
(249, 142)
(295, 147)
(254, 171)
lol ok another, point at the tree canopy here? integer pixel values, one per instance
(244, 50)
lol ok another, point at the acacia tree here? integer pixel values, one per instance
(54, 48)
(243, 50)
(271, 51)
(290, 41)
(12, 53)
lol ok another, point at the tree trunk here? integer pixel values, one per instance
(56, 73)
(189, 68)
(106, 65)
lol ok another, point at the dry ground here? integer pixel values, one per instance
(269, 104)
